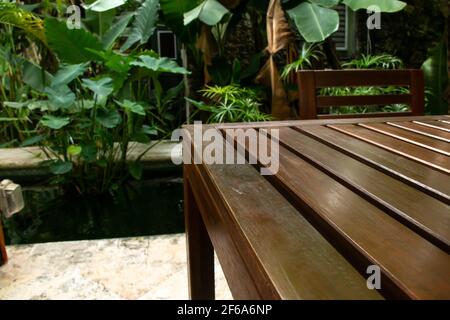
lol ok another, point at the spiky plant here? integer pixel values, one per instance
(11, 14)
(310, 52)
(231, 104)
(381, 61)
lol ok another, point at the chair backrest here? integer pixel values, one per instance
(311, 80)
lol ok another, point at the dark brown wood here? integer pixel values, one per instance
(334, 101)
(369, 115)
(292, 123)
(330, 212)
(345, 197)
(311, 80)
(432, 182)
(376, 187)
(411, 137)
(433, 159)
(3, 255)
(423, 130)
(307, 83)
(417, 88)
(435, 124)
(361, 78)
(276, 232)
(200, 250)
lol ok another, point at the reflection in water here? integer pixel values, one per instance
(143, 208)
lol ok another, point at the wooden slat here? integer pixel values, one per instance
(359, 116)
(433, 182)
(257, 215)
(277, 233)
(361, 78)
(424, 130)
(328, 101)
(414, 138)
(384, 191)
(435, 124)
(364, 232)
(427, 157)
(290, 123)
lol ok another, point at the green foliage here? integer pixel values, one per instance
(316, 20)
(144, 24)
(383, 5)
(315, 23)
(71, 46)
(11, 15)
(231, 104)
(436, 78)
(309, 53)
(95, 102)
(104, 5)
(210, 12)
(381, 61)
(159, 64)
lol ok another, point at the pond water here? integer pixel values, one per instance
(150, 207)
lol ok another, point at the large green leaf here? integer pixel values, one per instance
(60, 97)
(326, 3)
(209, 12)
(132, 106)
(104, 5)
(60, 167)
(34, 76)
(33, 141)
(136, 170)
(173, 12)
(144, 24)
(436, 79)
(68, 73)
(109, 118)
(101, 88)
(159, 65)
(383, 5)
(116, 31)
(55, 123)
(314, 22)
(71, 45)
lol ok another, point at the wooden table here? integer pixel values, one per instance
(348, 194)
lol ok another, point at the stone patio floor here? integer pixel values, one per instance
(142, 268)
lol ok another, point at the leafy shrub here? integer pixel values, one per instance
(231, 104)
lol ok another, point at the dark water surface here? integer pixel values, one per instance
(143, 208)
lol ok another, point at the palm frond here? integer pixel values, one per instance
(12, 15)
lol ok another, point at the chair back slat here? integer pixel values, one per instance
(311, 80)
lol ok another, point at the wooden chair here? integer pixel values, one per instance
(310, 81)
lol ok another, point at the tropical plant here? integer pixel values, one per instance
(380, 61)
(309, 53)
(231, 104)
(105, 95)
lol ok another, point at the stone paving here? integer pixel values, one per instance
(142, 268)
